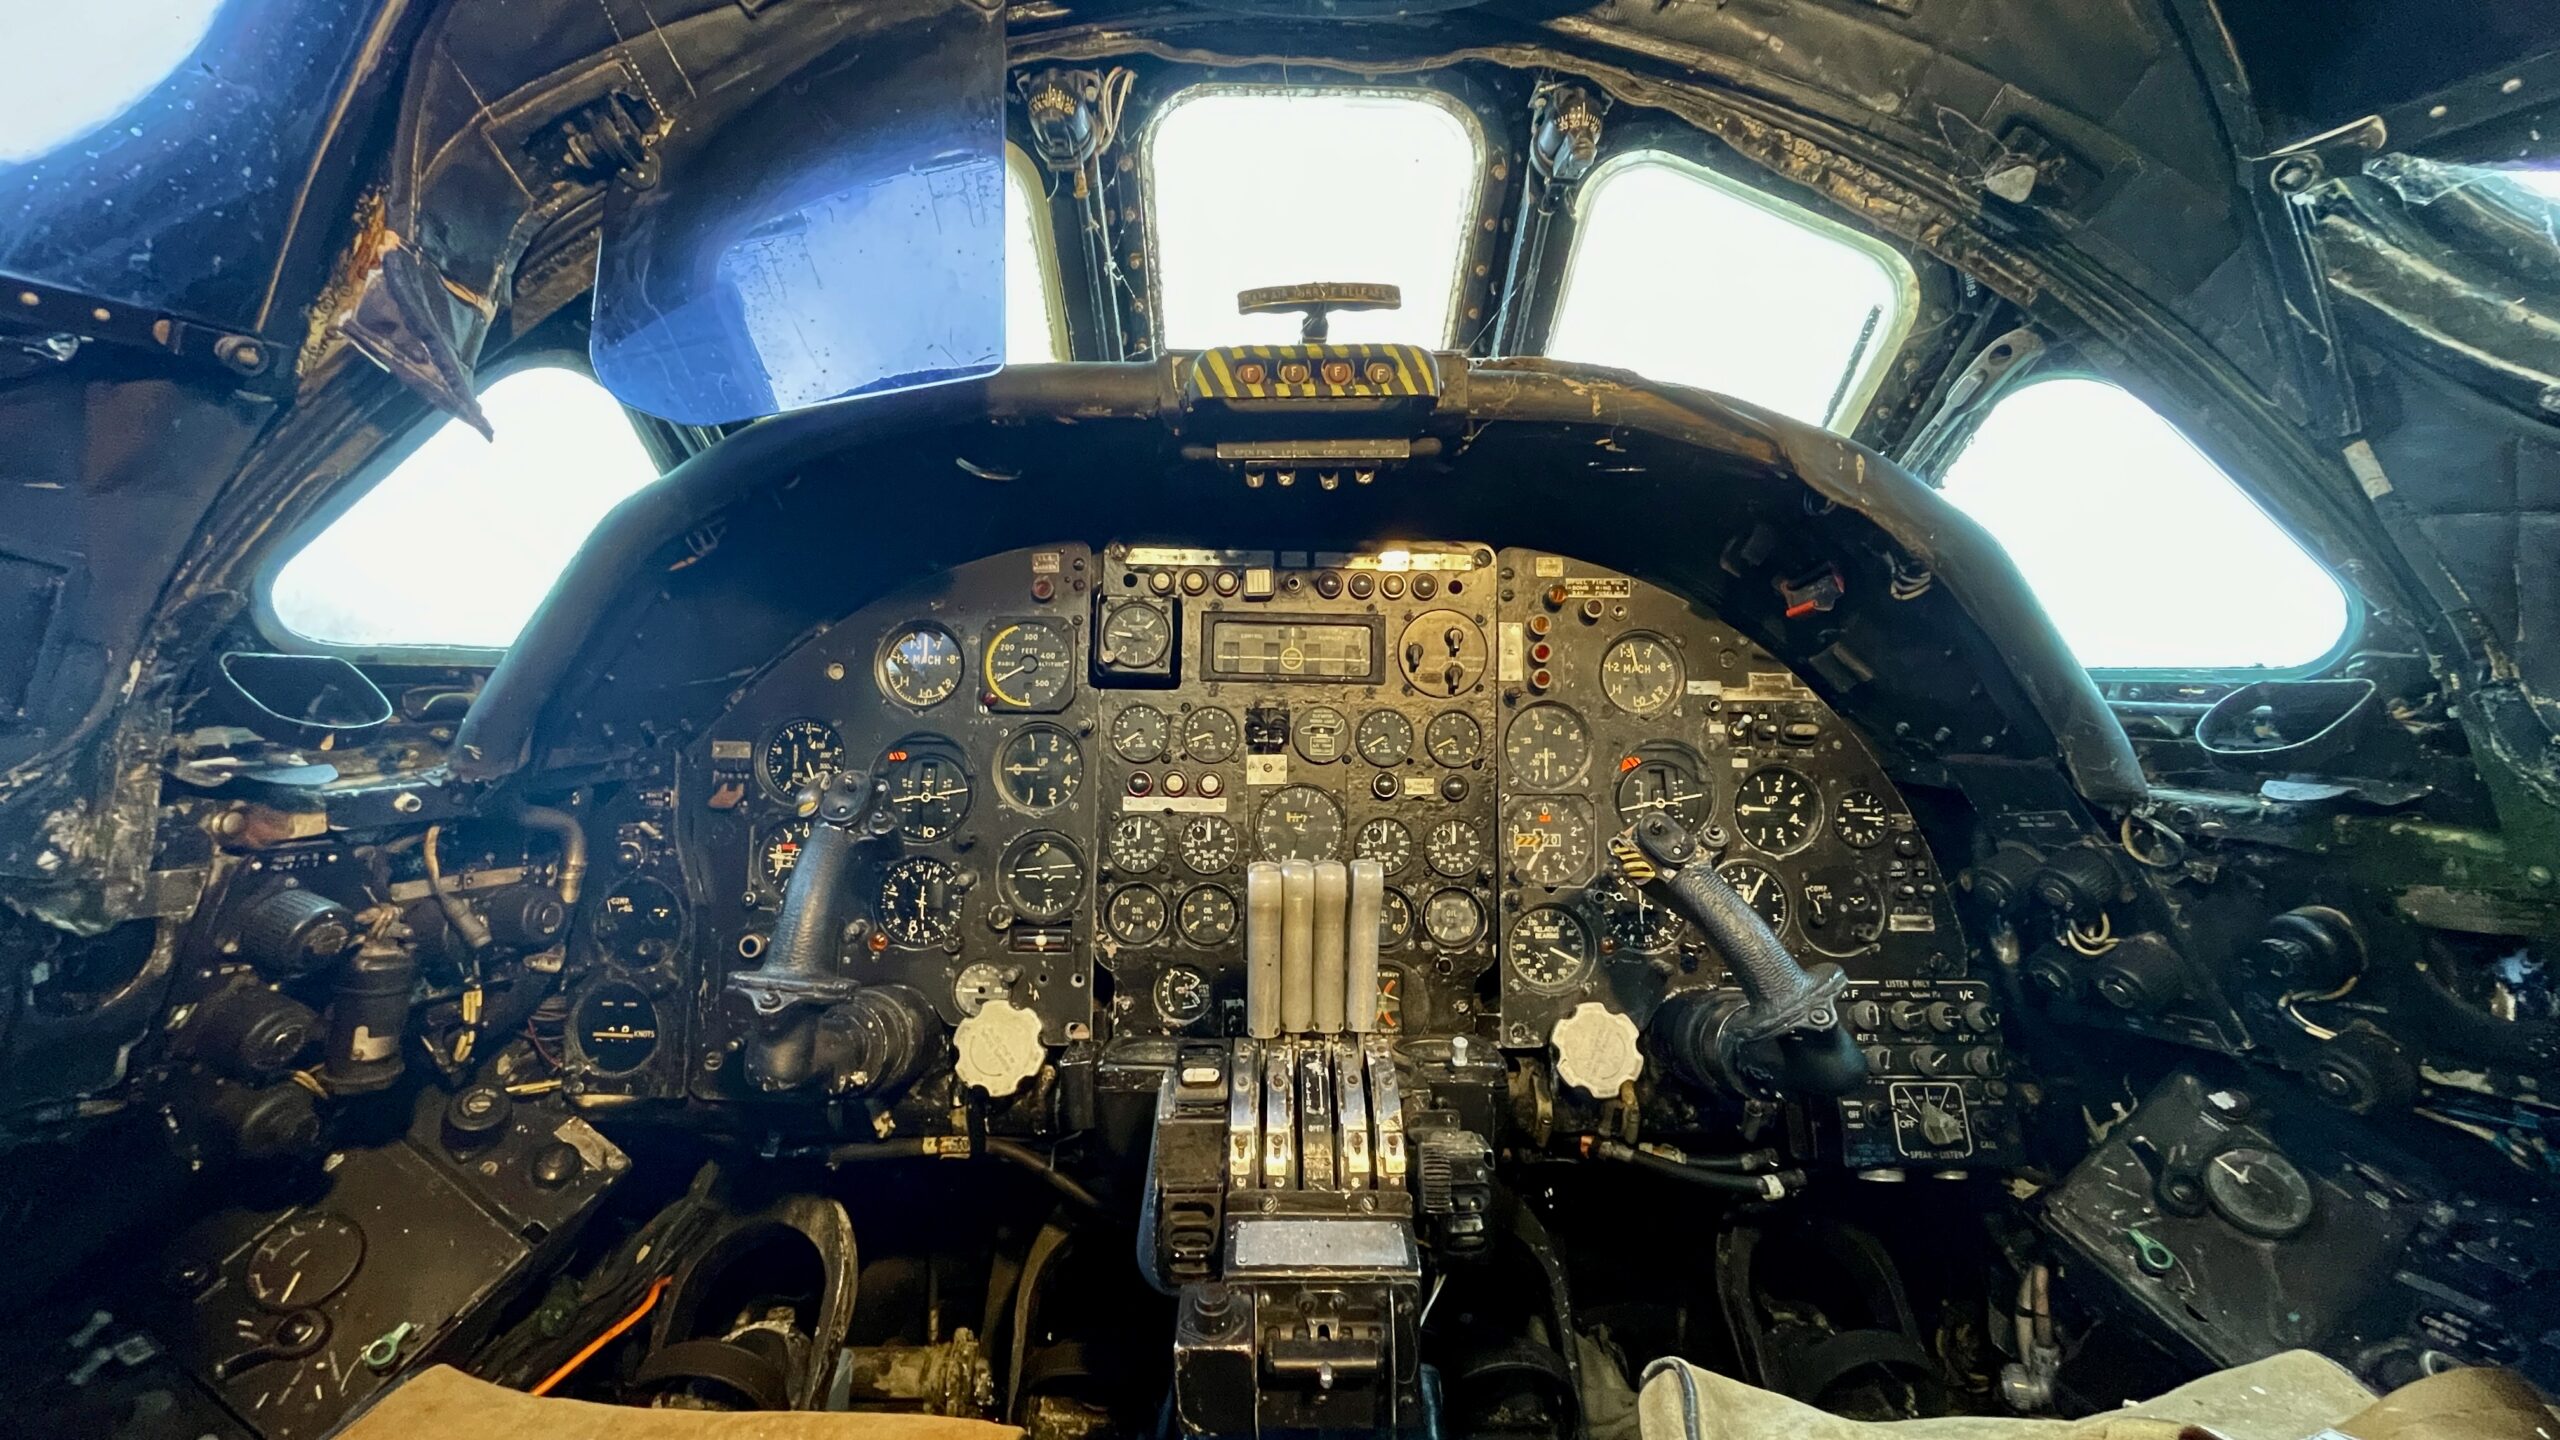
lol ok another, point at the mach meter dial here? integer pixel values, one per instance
(920, 667)
(1641, 675)
(1029, 665)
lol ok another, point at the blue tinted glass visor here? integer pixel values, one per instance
(838, 231)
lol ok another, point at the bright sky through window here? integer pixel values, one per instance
(1680, 278)
(1256, 188)
(461, 541)
(73, 68)
(2144, 553)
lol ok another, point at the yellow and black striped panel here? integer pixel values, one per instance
(1331, 372)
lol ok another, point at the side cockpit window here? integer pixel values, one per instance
(1682, 275)
(2144, 553)
(452, 550)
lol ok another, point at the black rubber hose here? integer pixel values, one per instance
(1774, 1186)
(1032, 1160)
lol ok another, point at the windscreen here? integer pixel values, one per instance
(152, 154)
(840, 233)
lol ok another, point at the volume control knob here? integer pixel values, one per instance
(1931, 1060)
(1943, 1016)
(1909, 1015)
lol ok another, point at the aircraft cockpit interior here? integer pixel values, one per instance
(1260, 718)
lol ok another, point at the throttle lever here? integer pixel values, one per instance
(1779, 1030)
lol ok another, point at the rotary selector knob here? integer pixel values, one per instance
(999, 1048)
(1596, 1050)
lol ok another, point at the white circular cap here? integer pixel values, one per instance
(1000, 1047)
(1596, 1050)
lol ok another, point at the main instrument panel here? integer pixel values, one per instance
(1081, 753)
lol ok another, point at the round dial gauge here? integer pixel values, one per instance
(1548, 748)
(920, 666)
(1135, 635)
(1641, 675)
(1759, 888)
(1043, 876)
(2260, 1191)
(1029, 666)
(304, 1261)
(1136, 914)
(1645, 925)
(1550, 949)
(1777, 809)
(616, 1027)
(1141, 734)
(1319, 734)
(1395, 919)
(1860, 818)
(1843, 912)
(978, 984)
(1384, 739)
(1299, 822)
(640, 917)
(928, 790)
(1666, 783)
(1454, 848)
(1452, 919)
(1453, 738)
(1441, 653)
(801, 754)
(919, 902)
(1210, 735)
(1181, 995)
(1040, 768)
(1137, 844)
(1390, 1000)
(1206, 916)
(1210, 844)
(1550, 839)
(1385, 841)
(778, 854)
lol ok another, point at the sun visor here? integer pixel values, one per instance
(838, 232)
